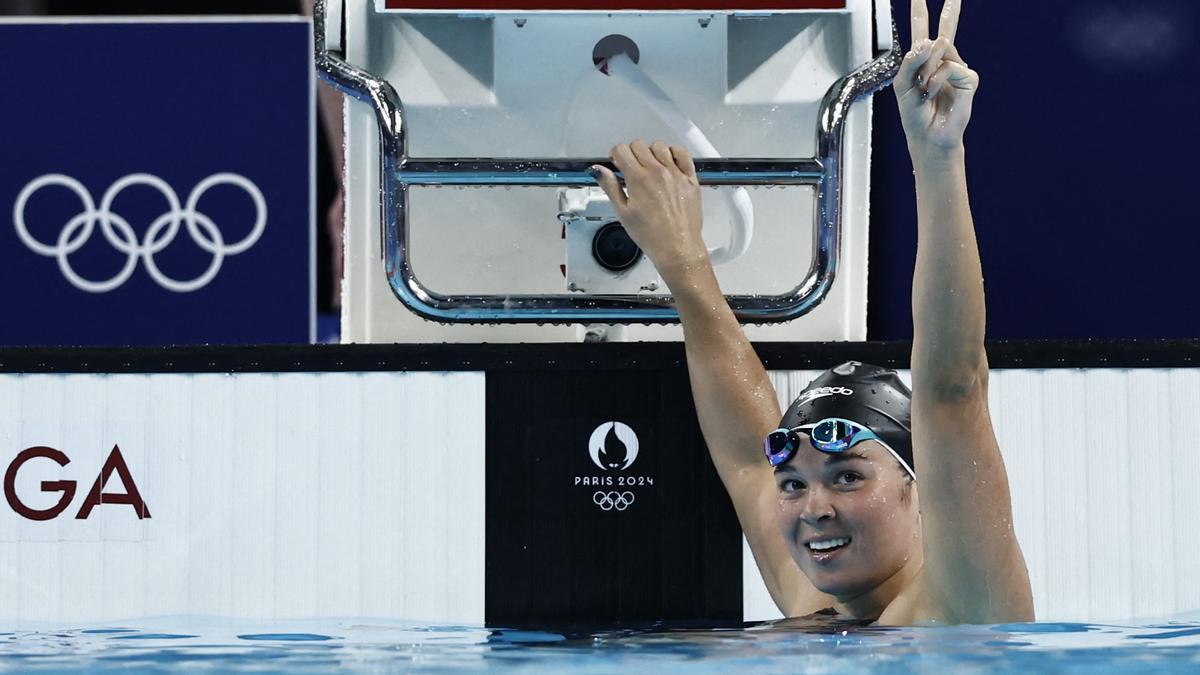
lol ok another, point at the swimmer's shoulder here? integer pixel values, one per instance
(913, 606)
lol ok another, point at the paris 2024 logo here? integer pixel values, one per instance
(613, 448)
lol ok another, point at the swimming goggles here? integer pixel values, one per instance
(832, 435)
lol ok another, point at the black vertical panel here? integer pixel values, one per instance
(663, 543)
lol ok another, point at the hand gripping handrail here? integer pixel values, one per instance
(398, 172)
(741, 222)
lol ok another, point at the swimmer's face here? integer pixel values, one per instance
(851, 520)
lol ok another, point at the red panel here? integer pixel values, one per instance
(614, 5)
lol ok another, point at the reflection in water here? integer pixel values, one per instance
(783, 646)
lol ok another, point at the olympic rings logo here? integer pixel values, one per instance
(161, 233)
(613, 500)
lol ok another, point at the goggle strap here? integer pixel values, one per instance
(900, 459)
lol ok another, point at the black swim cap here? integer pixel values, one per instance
(874, 397)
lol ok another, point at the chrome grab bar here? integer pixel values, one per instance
(398, 172)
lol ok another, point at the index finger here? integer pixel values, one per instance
(949, 23)
(622, 157)
(683, 160)
(920, 21)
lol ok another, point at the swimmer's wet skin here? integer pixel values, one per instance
(843, 465)
(835, 516)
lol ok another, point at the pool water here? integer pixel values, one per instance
(385, 645)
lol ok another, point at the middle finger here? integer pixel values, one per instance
(642, 152)
(949, 23)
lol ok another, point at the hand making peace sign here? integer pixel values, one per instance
(934, 87)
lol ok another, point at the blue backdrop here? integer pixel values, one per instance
(218, 112)
(1080, 162)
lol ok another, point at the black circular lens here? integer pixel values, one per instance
(613, 249)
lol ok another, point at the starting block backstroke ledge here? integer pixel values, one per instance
(400, 170)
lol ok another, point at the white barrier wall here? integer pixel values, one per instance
(290, 495)
(319, 495)
(1104, 469)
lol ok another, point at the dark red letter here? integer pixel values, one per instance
(67, 487)
(115, 462)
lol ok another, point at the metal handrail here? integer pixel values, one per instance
(398, 172)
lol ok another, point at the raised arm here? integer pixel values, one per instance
(735, 401)
(974, 570)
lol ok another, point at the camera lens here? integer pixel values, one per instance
(613, 249)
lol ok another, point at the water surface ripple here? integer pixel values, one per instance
(206, 643)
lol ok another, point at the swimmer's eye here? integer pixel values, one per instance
(848, 478)
(790, 485)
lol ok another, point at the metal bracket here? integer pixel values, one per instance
(398, 172)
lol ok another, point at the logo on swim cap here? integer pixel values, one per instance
(822, 392)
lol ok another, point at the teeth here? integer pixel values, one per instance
(828, 544)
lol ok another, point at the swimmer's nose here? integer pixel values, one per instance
(816, 508)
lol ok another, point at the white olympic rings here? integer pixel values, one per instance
(613, 500)
(161, 233)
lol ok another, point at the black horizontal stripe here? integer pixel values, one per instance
(605, 356)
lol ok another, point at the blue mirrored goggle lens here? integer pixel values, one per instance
(780, 445)
(837, 435)
(831, 435)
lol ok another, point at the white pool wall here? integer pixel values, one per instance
(347, 494)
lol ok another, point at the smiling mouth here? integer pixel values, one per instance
(824, 547)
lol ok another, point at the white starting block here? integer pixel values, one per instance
(468, 211)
